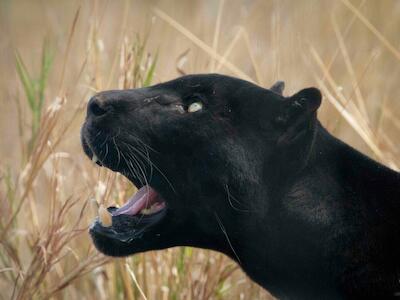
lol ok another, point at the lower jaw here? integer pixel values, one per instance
(110, 244)
(127, 228)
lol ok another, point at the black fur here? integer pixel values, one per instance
(253, 175)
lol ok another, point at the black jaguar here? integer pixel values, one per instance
(227, 165)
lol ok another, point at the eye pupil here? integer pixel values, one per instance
(195, 106)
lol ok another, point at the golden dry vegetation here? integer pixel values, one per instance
(55, 54)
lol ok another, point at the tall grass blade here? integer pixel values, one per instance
(26, 80)
(150, 73)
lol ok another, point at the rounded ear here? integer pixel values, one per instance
(300, 105)
(298, 113)
(308, 99)
(278, 87)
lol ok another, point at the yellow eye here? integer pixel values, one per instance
(195, 106)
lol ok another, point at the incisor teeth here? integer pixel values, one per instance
(104, 216)
(94, 158)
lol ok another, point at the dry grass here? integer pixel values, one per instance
(349, 49)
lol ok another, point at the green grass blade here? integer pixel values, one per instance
(26, 80)
(47, 61)
(150, 72)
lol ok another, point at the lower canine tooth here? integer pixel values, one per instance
(105, 216)
(94, 158)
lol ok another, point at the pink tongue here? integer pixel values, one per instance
(144, 197)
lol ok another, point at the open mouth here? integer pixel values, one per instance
(146, 202)
(140, 214)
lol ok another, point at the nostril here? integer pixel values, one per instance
(95, 108)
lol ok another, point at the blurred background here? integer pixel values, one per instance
(55, 54)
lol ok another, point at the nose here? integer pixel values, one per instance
(97, 107)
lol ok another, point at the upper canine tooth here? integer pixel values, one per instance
(94, 158)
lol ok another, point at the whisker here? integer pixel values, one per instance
(227, 237)
(137, 139)
(98, 136)
(138, 164)
(145, 180)
(118, 152)
(131, 167)
(105, 156)
(146, 157)
(136, 159)
(105, 141)
(237, 201)
(156, 168)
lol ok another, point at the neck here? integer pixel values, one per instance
(312, 187)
